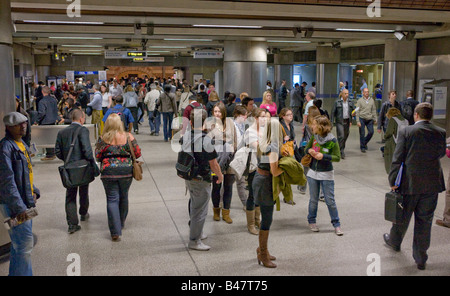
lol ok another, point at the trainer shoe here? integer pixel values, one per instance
(314, 227)
(198, 245)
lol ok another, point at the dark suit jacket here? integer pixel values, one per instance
(419, 147)
(337, 113)
(82, 148)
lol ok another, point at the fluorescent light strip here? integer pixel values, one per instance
(163, 46)
(77, 45)
(227, 26)
(176, 39)
(87, 53)
(289, 41)
(63, 22)
(366, 30)
(152, 51)
(89, 50)
(78, 38)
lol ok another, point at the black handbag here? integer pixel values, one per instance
(393, 203)
(76, 173)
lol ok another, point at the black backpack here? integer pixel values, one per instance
(187, 166)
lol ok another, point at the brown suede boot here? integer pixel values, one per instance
(258, 217)
(216, 214)
(263, 255)
(273, 258)
(251, 222)
(226, 216)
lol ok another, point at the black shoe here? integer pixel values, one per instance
(84, 217)
(388, 243)
(342, 155)
(73, 228)
(421, 266)
(363, 150)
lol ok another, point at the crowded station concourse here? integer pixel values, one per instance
(227, 143)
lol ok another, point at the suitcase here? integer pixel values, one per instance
(393, 207)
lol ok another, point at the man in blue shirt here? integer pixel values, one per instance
(123, 112)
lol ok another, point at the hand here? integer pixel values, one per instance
(359, 124)
(394, 188)
(22, 217)
(318, 156)
(286, 138)
(285, 153)
(219, 179)
(34, 197)
(379, 131)
(312, 152)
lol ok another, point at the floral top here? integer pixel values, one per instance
(116, 160)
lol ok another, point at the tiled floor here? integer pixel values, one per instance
(154, 241)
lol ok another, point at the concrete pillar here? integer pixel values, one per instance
(7, 103)
(327, 80)
(283, 70)
(399, 67)
(245, 67)
(43, 63)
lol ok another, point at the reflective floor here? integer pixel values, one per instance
(155, 237)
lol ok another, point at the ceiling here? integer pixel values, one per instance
(176, 27)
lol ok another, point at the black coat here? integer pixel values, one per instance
(337, 115)
(82, 148)
(420, 147)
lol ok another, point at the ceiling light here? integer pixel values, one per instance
(77, 45)
(164, 46)
(228, 26)
(63, 22)
(90, 50)
(399, 35)
(152, 51)
(73, 37)
(289, 41)
(366, 30)
(176, 39)
(87, 53)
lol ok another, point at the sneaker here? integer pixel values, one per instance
(156, 134)
(84, 217)
(314, 227)
(152, 133)
(302, 189)
(442, 223)
(73, 228)
(203, 236)
(198, 245)
(338, 231)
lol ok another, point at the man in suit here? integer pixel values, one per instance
(419, 148)
(342, 116)
(48, 115)
(81, 150)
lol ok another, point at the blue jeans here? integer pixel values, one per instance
(155, 121)
(167, 125)
(328, 191)
(363, 139)
(117, 202)
(21, 246)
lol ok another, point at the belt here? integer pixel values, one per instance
(263, 172)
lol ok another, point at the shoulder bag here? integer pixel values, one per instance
(137, 165)
(288, 146)
(76, 173)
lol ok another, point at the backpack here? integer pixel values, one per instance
(123, 117)
(407, 111)
(186, 165)
(401, 124)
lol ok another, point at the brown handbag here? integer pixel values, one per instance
(137, 165)
(306, 160)
(288, 146)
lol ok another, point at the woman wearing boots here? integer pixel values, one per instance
(223, 132)
(268, 154)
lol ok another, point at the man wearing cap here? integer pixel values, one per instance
(17, 192)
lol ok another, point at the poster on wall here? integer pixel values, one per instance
(440, 102)
(102, 76)
(70, 76)
(197, 77)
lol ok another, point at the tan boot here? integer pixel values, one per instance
(273, 258)
(258, 217)
(226, 216)
(263, 255)
(216, 214)
(251, 222)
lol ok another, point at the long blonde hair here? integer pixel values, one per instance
(113, 125)
(272, 136)
(264, 100)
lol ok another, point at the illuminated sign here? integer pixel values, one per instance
(136, 54)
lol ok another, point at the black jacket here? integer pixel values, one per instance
(48, 111)
(420, 147)
(337, 115)
(82, 148)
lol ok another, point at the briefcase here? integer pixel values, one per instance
(77, 173)
(393, 207)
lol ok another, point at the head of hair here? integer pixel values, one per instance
(223, 111)
(192, 98)
(246, 100)
(311, 95)
(113, 125)
(424, 110)
(410, 94)
(195, 113)
(258, 112)
(265, 94)
(71, 102)
(323, 124)
(272, 136)
(392, 91)
(119, 99)
(231, 98)
(202, 87)
(313, 111)
(243, 95)
(214, 96)
(46, 90)
(239, 110)
(77, 114)
(392, 112)
(283, 112)
(96, 87)
(318, 103)
(167, 88)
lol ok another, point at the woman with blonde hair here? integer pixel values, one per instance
(113, 151)
(267, 103)
(268, 155)
(212, 101)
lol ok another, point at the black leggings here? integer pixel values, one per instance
(266, 217)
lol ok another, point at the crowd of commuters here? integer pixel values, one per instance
(244, 144)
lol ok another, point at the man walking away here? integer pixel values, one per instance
(419, 148)
(297, 103)
(81, 150)
(48, 115)
(17, 192)
(408, 106)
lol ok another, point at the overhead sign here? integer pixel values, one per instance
(124, 54)
(208, 55)
(135, 54)
(86, 72)
(149, 60)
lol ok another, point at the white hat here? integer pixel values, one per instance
(14, 118)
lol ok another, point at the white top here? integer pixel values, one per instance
(105, 99)
(150, 99)
(323, 176)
